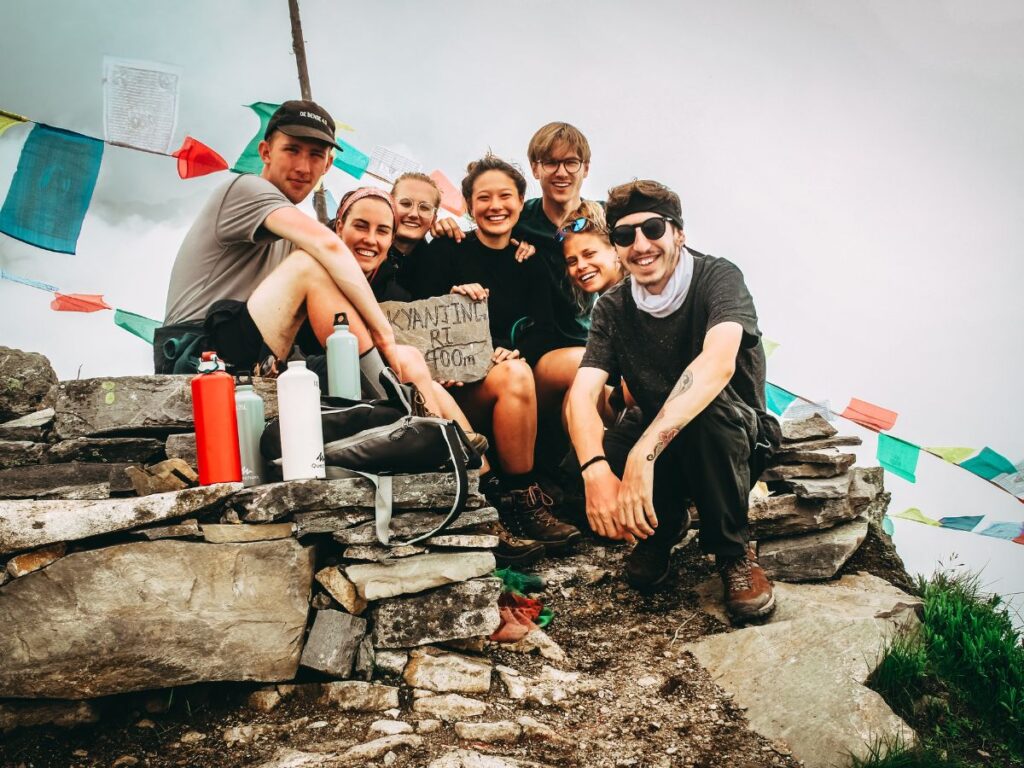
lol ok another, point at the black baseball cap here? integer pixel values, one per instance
(305, 120)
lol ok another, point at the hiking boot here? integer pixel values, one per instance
(748, 592)
(527, 513)
(511, 551)
(649, 563)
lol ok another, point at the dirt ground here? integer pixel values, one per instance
(654, 706)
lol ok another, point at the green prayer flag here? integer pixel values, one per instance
(351, 160)
(777, 399)
(988, 464)
(898, 456)
(249, 161)
(914, 514)
(137, 325)
(952, 454)
(769, 346)
(962, 523)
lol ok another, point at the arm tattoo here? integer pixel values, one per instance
(664, 438)
(684, 383)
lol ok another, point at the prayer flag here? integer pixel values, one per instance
(988, 464)
(51, 188)
(351, 160)
(451, 198)
(807, 409)
(769, 346)
(140, 103)
(777, 398)
(915, 515)
(898, 456)
(78, 302)
(1013, 483)
(7, 119)
(954, 454)
(887, 525)
(962, 523)
(868, 415)
(1003, 530)
(1019, 539)
(389, 165)
(27, 281)
(249, 161)
(332, 204)
(196, 159)
(137, 325)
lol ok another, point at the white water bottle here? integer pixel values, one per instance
(302, 432)
(342, 361)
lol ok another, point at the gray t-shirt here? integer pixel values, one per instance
(651, 353)
(228, 251)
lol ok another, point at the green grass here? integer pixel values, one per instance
(958, 681)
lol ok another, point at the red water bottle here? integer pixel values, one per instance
(213, 410)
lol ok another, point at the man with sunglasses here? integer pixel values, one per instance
(682, 333)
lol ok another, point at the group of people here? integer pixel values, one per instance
(656, 389)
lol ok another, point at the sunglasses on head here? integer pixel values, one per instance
(624, 235)
(574, 226)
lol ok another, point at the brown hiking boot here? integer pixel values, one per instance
(527, 513)
(748, 592)
(511, 551)
(649, 563)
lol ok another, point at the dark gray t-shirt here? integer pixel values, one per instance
(651, 353)
(228, 251)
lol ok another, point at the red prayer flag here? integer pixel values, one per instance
(1019, 539)
(197, 159)
(451, 199)
(868, 415)
(79, 302)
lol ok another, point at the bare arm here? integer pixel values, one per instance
(334, 256)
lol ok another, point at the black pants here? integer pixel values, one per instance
(714, 461)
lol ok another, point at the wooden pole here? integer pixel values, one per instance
(299, 47)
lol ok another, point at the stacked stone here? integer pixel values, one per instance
(118, 574)
(820, 507)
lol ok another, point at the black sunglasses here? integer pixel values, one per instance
(624, 235)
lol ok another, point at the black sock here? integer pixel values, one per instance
(517, 482)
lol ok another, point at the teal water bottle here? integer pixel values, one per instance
(249, 410)
(343, 361)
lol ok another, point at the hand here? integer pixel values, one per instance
(475, 291)
(447, 228)
(501, 355)
(524, 250)
(636, 496)
(601, 488)
(449, 383)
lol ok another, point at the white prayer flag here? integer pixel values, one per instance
(390, 165)
(140, 103)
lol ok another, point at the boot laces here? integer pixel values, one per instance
(536, 502)
(738, 575)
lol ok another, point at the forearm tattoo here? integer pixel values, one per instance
(665, 436)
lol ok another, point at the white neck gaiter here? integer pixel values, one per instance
(672, 297)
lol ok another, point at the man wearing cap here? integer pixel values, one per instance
(682, 332)
(255, 275)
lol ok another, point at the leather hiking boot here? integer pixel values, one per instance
(511, 550)
(748, 592)
(527, 513)
(649, 563)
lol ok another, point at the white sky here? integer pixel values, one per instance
(863, 163)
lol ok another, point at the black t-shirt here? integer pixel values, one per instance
(408, 268)
(386, 284)
(517, 289)
(651, 353)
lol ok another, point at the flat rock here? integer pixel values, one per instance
(365, 661)
(182, 446)
(812, 556)
(466, 758)
(341, 589)
(163, 477)
(789, 471)
(391, 662)
(551, 688)
(378, 553)
(866, 484)
(449, 707)
(824, 442)
(27, 524)
(125, 405)
(25, 382)
(32, 426)
(390, 727)
(55, 481)
(830, 457)
(813, 426)
(802, 683)
(66, 714)
(409, 575)
(109, 450)
(822, 488)
(789, 515)
(186, 529)
(333, 643)
(155, 614)
(358, 696)
(18, 453)
(37, 559)
(442, 672)
(502, 731)
(463, 541)
(466, 609)
(326, 520)
(414, 524)
(228, 534)
(361, 754)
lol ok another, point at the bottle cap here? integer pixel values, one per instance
(341, 319)
(209, 362)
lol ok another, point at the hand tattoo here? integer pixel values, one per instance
(664, 438)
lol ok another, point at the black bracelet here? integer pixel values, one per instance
(592, 461)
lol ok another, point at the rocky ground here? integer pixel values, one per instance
(626, 694)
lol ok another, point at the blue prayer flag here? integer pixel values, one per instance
(249, 161)
(961, 523)
(897, 456)
(1003, 530)
(777, 399)
(351, 160)
(988, 464)
(52, 188)
(28, 281)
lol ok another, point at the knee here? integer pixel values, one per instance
(304, 267)
(514, 379)
(411, 361)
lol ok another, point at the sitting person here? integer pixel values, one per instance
(484, 266)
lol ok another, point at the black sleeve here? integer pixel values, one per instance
(728, 300)
(599, 352)
(434, 274)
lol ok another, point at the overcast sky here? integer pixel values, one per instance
(862, 162)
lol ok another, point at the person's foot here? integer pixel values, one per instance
(748, 591)
(511, 550)
(527, 513)
(648, 565)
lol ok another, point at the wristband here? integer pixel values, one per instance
(591, 461)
